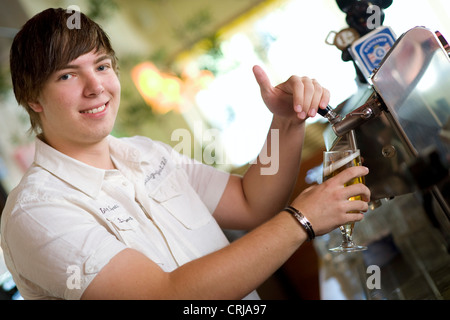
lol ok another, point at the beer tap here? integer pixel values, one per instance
(334, 118)
(341, 126)
(329, 114)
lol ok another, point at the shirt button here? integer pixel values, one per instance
(125, 183)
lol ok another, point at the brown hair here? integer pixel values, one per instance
(45, 44)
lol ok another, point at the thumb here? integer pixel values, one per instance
(262, 78)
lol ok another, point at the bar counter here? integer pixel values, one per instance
(407, 257)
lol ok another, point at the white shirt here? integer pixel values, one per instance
(66, 220)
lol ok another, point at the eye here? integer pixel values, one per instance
(103, 67)
(66, 76)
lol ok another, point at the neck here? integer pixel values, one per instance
(95, 154)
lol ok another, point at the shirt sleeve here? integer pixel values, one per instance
(57, 248)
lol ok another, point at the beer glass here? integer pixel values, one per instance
(333, 163)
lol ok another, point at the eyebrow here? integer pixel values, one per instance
(74, 66)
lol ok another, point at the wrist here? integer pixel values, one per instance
(303, 221)
(287, 123)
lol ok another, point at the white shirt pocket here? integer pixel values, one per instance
(123, 225)
(177, 196)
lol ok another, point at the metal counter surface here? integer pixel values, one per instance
(410, 253)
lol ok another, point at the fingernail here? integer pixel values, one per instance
(303, 115)
(298, 108)
(313, 112)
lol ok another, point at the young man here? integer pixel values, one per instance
(96, 217)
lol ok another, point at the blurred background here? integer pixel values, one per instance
(187, 64)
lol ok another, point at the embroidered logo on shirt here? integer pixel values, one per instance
(109, 208)
(157, 172)
(124, 220)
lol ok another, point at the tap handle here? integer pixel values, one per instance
(329, 114)
(324, 112)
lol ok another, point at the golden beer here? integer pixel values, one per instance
(334, 163)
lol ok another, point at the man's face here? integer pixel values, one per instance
(79, 103)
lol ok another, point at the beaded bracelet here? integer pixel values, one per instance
(303, 221)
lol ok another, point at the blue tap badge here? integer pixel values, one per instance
(369, 50)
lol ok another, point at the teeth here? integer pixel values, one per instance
(96, 110)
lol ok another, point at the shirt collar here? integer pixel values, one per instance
(86, 178)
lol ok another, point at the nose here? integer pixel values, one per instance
(93, 85)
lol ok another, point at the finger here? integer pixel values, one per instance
(350, 174)
(325, 99)
(356, 206)
(365, 196)
(356, 190)
(316, 99)
(308, 94)
(352, 217)
(296, 87)
(262, 79)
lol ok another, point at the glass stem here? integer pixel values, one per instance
(347, 239)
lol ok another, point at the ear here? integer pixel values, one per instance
(36, 106)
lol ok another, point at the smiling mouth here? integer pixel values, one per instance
(95, 110)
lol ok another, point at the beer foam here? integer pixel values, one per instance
(338, 164)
